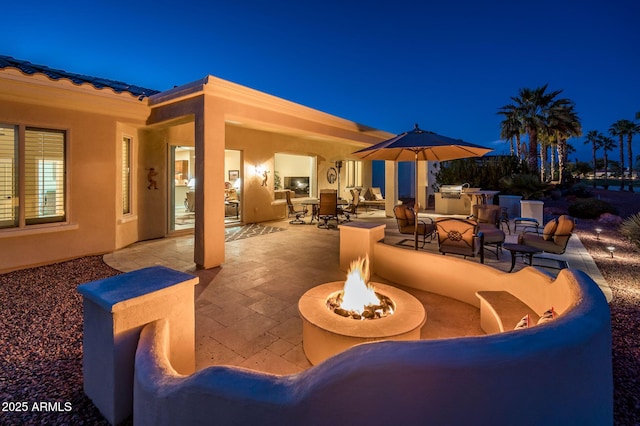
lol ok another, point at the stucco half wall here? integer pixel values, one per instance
(556, 373)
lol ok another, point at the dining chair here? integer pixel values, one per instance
(328, 208)
(299, 214)
(351, 208)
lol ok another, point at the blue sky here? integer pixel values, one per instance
(448, 66)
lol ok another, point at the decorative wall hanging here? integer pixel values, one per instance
(332, 175)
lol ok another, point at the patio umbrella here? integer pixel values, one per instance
(417, 145)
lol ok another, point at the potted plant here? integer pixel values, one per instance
(530, 188)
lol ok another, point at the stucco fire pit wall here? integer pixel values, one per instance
(531, 376)
(325, 333)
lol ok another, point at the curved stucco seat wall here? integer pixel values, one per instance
(556, 373)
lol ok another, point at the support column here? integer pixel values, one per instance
(210, 144)
(115, 310)
(421, 190)
(390, 186)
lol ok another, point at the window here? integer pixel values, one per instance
(126, 175)
(353, 173)
(37, 180)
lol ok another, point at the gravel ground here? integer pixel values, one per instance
(41, 341)
(622, 273)
(41, 381)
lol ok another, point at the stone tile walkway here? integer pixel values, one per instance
(246, 309)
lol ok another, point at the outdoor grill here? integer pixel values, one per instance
(452, 191)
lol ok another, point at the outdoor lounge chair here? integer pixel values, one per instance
(373, 198)
(299, 214)
(405, 217)
(555, 236)
(460, 236)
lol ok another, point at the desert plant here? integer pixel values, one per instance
(526, 185)
(484, 172)
(630, 228)
(590, 208)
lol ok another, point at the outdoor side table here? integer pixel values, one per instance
(520, 250)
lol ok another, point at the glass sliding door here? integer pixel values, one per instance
(233, 187)
(182, 213)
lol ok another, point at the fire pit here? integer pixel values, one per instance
(329, 327)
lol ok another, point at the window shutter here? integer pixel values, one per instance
(8, 176)
(44, 176)
(126, 175)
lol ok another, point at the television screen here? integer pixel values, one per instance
(298, 184)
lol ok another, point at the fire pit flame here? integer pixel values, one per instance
(357, 292)
(359, 299)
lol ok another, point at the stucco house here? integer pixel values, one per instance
(89, 165)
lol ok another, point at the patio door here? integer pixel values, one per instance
(182, 213)
(232, 187)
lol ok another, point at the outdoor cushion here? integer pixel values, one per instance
(550, 229)
(564, 230)
(492, 234)
(547, 316)
(524, 323)
(537, 241)
(488, 214)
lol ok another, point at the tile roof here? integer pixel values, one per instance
(97, 82)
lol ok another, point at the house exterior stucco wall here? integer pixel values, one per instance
(210, 114)
(92, 140)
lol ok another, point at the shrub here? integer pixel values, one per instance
(526, 185)
(580, 190)
(630, 228)
(590, 208)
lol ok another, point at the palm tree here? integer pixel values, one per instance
(633, 129)
(626, 128)
(594, 138)
(510, 128)
(546, 140)
(534, 107)
(564, 123)
(607, 145)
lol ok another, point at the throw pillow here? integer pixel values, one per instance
(547, 316)
(564, 230)
(524, 323)
(549, 229)
(378, 197)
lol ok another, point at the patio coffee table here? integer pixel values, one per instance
(521, 250)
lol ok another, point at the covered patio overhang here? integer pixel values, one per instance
(215, 106)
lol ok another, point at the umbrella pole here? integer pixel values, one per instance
(415, 205)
